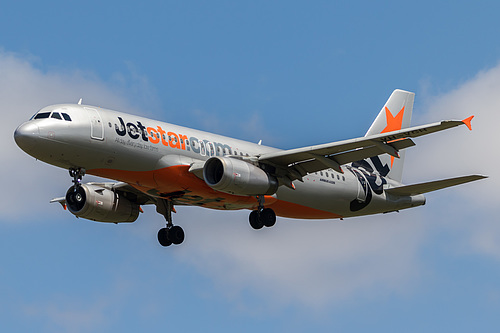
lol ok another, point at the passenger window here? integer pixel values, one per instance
(42, 115)
(56, 115)
(321, 173)
(67, 117)
(202, 148)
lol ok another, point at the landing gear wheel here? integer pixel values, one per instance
(176, 235)
(268, 217)
(172, 234)
(163, 237)
(255, 220)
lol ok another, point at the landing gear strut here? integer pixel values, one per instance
(262, 216)
(77, 174)
(171, 234)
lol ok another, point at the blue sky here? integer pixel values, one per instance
(292, 74)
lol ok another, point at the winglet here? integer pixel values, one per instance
(467, 122)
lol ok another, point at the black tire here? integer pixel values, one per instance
(268, 217)
(255, 220)
(163, 237)
(176, 235)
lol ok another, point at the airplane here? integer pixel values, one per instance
(156, 163)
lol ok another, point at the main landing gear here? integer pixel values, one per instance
(262, 216)
(171, 234)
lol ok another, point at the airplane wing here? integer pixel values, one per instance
(296, 163)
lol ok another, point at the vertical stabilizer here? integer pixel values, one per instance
(395, 115)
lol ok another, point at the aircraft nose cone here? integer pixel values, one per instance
(26, 136)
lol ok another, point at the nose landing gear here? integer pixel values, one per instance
(77, 174)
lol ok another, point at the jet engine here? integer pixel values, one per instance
(238, 177)
(97, 203)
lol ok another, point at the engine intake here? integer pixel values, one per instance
(97, 203)
(238, 177)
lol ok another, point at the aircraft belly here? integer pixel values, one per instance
(178, 184)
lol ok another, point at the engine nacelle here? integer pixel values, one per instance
(238, 177)
(100, 204)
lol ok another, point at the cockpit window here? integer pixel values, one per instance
(42, 115)
(53, 115)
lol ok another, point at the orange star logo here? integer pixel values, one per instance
(393, 123)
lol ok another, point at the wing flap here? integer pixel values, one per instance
(317, 162)
(426, 187)
(360, 154)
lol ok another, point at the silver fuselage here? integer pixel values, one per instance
(155, 158)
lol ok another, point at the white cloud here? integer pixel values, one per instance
(27, 184)
(474, 209)
(311, 263)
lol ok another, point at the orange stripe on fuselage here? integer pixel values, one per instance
(178, 183)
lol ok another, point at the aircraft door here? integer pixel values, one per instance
(96, 125)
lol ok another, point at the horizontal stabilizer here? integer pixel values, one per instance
(432, 186)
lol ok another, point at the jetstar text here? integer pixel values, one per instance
(157, 134)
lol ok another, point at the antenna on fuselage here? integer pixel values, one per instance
(260, 142)
(80, 101)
